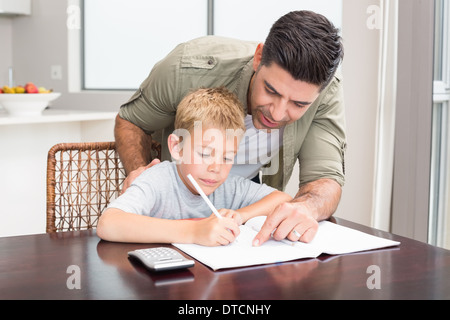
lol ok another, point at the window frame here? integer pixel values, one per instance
(439, 214)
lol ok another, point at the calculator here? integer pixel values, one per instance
(161, 259)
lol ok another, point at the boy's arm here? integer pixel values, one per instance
(264, 206)
(117, 225)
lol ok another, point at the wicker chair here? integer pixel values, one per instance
(82, 179)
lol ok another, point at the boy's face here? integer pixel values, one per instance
(208, 156)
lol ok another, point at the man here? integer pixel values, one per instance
(288, 86)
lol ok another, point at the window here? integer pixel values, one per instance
(252, 19)
(122, 40)
(439, 219)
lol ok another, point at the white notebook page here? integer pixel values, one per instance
(331, 238)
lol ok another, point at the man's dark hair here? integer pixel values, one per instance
(305, 44)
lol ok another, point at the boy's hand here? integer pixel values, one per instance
(213, 231)
(228, 213)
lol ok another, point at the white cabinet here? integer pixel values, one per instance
(24, 144)
(13, 7)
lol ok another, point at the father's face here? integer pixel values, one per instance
(276, 99)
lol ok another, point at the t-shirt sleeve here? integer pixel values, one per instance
(139, 198)
(248, 192)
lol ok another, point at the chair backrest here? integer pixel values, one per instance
(82, 179)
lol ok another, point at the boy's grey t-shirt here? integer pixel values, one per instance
(159, 192)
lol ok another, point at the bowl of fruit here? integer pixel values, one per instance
(26, 100)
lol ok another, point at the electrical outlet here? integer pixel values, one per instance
(56, 72)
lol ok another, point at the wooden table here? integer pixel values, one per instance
(50, 266)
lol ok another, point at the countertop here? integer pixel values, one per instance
(56, 115)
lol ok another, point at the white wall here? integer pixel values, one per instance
(360, 70)
(40, 40)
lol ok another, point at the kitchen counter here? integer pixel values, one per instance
(24, 145)
(55, 115)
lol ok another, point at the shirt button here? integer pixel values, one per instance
(210, 61)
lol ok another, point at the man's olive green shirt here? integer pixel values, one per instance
(317, 139)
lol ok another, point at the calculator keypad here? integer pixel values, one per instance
(159, 254)
(161, 258)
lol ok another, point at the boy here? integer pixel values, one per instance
(160, 204)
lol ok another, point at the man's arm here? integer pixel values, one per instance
(134, 148)
(321, 197)
(315, 201)
(132, 144)
(264, 206)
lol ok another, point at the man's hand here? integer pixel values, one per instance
(135, 173)
(289, 220)
(297, 220)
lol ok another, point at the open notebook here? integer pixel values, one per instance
(331, 239)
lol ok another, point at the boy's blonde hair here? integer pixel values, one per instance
(214, 107)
